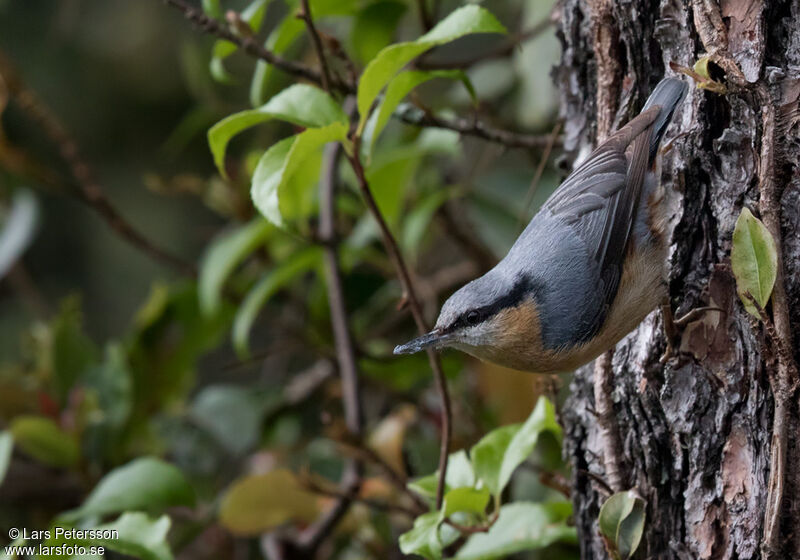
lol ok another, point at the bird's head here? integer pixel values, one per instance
(491, 318)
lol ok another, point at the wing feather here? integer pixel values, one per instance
(601, 197)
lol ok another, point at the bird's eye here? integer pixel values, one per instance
(473, 317)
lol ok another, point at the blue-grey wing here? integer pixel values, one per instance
(599, 200)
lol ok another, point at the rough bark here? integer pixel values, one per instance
(695, 434)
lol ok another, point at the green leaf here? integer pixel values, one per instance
(223, 255)
(136, 536)
(389, 61)
(459, 474)
(145, 483)
(754, 260)
(466, 499)
(621, 521)
(398, 88)
(521, 526)
(299, 104)
(423, 538)
(374, 27)
(257, 503)
(6, 447)
(42, 439)
(280, 162)
(268, 286)
(139, 536)
(497, 455)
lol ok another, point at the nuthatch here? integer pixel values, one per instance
(585, 271)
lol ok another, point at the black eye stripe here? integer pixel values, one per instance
(523, 287)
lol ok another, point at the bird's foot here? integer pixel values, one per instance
(673, 327)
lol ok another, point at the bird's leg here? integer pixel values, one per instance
(673, 326)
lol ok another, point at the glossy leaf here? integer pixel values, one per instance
(389, 61)
(521, 526)
(138, 536)
(45, 441)
(255, 504)
(428, 536)
(459, 474)
(400, 86)
(146, 483)
(466, 499)
(754, 260)
(267, 287)
(621, 521)
(299, 104)
(497, 455)
(280, 162)
(223, 255)
(284, 36)
(543, 419)
(6, 447)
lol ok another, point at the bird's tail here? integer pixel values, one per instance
(668, 94)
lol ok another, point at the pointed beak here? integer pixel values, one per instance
(420, 343)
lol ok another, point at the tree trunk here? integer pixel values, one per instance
(695, 435)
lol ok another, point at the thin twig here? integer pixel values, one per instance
(410, 298)
(368, 455)
(345, 352)
(472, 127)
(305, 15)
(316, 488)
(250, 45)
(88, 189)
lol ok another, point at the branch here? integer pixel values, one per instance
(88, 190)
(305, 15)
(409, 298)
(251, 46)
(473, 127)
(313, 486)
(312, 537)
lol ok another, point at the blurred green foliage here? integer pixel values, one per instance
(196, 414)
